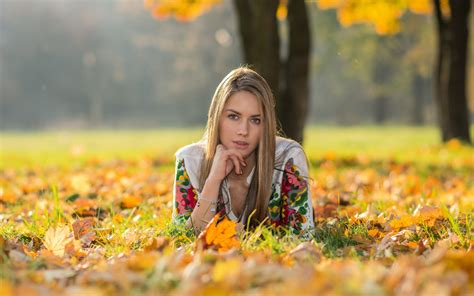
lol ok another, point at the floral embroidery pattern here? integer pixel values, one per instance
(288, 207)
(186, 195)
(291, 207)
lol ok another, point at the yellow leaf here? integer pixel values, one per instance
(453, 144)
(6, 287)
(80, 183)
(327, 4)
(56, 239)
(404, 221)
(282, 10)
(142, 261)
(224, 270)
(420, 6)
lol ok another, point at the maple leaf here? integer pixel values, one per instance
(56, 239)
(220, 234)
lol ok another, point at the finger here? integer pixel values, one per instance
(237, 165)
(229, 166)
(239, 156)
(219, 148)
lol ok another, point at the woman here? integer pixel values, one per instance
(241, 168)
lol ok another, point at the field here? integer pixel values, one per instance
(89, 212)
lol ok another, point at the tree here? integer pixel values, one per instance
(453, 33)
(261, 45)
(450, 72)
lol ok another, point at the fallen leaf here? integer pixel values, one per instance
(142, 261)
(130, 201)
(307, 252)
(373, 232)
(56, 238)
(6, 288)
(158, 244)
(220, 234)
(83, 230)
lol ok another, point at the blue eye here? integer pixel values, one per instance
(232, 116)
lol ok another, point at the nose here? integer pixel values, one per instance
(243, 129)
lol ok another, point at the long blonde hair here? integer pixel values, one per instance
(245, 79)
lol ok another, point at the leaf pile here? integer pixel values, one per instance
(381, 227)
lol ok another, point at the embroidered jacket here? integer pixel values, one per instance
(290, 201)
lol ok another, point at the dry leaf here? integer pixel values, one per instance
(142, 261)
(157, 244)
(83, 230)
(56, 238)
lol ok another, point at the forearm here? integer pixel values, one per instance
(206, 206)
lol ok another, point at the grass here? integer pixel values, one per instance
(66, 148)
(385, 174)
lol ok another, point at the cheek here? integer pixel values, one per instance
(224, 131)
(257, 134)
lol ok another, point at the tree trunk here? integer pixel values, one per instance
(380, 109)
(418, 88)
(259, 35)
(450, 71)
(293, 108)
(382, 73)
(288, 78)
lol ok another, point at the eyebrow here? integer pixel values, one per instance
(238, 113)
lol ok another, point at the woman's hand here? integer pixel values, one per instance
(225, 160)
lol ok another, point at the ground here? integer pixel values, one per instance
(89, 212)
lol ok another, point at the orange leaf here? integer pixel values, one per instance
(130, 201)
(373, 232)
(7, 197)
(220, 234)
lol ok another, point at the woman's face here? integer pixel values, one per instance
(240, 124)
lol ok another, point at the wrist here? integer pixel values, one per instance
(214, 180)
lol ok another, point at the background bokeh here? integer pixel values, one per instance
(109, 64)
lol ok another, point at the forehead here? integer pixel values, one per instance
(243, 102)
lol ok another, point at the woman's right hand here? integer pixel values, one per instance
(226, 160)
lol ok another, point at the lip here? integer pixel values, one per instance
(241, 144)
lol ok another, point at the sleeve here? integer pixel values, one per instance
(296, 207)
(184, 194)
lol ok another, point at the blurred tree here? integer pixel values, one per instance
(261, 42)
(453, 33)
(450, 73)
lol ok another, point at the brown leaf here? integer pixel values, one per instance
(83, 230)
(158, 244)
(306, 252)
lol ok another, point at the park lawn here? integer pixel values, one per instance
(89, 212)
(419, 144)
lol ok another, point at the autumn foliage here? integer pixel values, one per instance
(383, 225)
(384, 15)
(182, 10)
